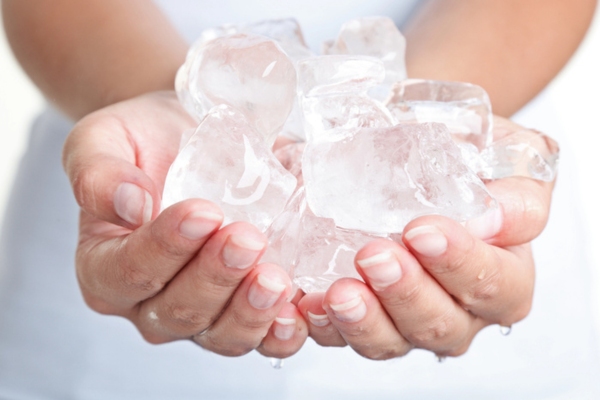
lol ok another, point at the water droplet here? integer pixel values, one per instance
(505, 330)
(277, 363)
(440, 359)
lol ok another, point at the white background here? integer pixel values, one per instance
(576, 93)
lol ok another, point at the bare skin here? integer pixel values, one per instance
(511, 48)
(174, 274)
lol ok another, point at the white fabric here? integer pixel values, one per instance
(53, 347)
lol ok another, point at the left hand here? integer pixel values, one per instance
(449, 282)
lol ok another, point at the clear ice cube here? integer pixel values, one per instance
(519, 152)
(248, 72)
(333, 95)
(376, 37)
(313, 250)
(227, 162)
(283, 234)
(340, 115)
(326, 75)
(463, 107)
(379, 179)
(326, 253)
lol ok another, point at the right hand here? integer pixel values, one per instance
(177, 275)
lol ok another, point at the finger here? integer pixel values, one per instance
(320, 328)
(362, 321)
(253, 309)
(524, 206)
(423, 312)
(491, 282)
(287, 334)
(117, 157)
(196, 297)
(117, 268)
(100, 162)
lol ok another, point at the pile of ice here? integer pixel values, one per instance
(371, 149)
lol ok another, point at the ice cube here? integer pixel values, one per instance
(378, 179)
(333, 94)
(227, 162)
(340, 115)
(463, 107)
(326, 75)
(248, 72)
(283, 234)
(313, 250)
(519, 152)
(376, 37)
(326, 253)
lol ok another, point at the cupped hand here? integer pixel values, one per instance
(176, 274)
(446, 283)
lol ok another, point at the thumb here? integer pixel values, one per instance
(100, 160)
(522, 213)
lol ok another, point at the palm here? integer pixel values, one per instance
(178, 273)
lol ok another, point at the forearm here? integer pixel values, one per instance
(86, 54)
(512, 48)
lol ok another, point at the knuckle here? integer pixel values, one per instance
(436, 333)
(236, 351)
(98, 305)
(152, 337)
(460, 350)
(216, 344)
(215, 283)
(164, 245)
(360, 333)
(459, 261)
(255, 322)
(484, 291)
(137, 280)
(404, 297)
(378, 353)
(522, 311)
(84, 182)
(187, 317)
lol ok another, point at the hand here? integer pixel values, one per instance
(449, 282)
(176, 275)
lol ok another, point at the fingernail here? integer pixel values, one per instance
(133, 204)
(351, 311)
(382, 270)
(487, 225)
(264, 292)
(427, 240)
(319, 320)
(198, 224)
(284, 328)
(240, 251)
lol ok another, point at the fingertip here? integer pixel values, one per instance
(319, 323)
(345, 301)
(311, 307)
(381, 269)
(133, 204)
(270, 286)
(242, 250)
(287, 334)
(289, 323)
(486, 226)
(525, 204)
(426, 240)
(191, 220)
